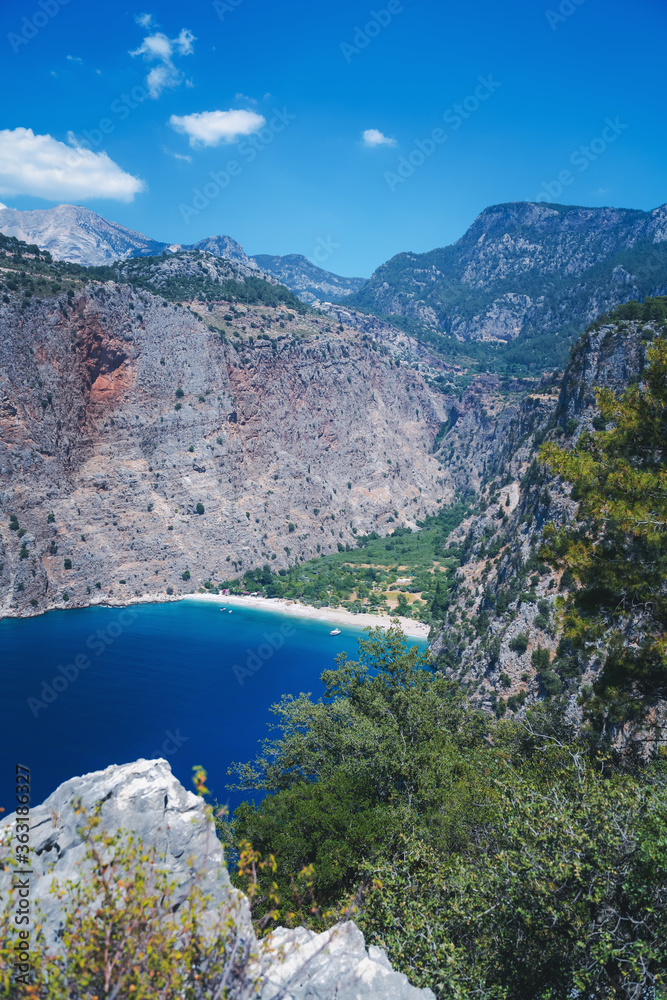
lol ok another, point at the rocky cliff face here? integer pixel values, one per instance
(138, 445)
(525, 269)
(147, 800)
(504, 590)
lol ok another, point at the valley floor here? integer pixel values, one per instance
(417, 630)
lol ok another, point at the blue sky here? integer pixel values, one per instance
(564, 94)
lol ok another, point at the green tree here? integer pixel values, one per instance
(563, 895)
(616, 547)
(390, 744)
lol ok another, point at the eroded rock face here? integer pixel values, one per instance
(121, 412)
(504, 587)
(145, 798)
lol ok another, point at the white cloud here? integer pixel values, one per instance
(373, 137)
(161, 49)
(177, 156)
(244, 97)
(76, 59)
(145, 20)
(2, 206)
(209, 128)
(42, 166)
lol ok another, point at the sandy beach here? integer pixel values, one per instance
(337, 616)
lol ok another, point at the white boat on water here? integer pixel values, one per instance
(335, 631)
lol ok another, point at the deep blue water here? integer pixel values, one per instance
(169, 680)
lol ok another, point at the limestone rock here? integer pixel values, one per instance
(146, 798)
(143, 797)
(332, 964)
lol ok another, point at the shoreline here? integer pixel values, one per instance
(337, 616)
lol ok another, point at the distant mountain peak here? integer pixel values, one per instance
(524, 270)
(310, 282)
(77, 234)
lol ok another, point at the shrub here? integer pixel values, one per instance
(129, 931)
(550, 683)
(200, 508)
(541, 659)
(520, 643)
(494, 649)
(179, 394)
(516, 700)
(68, 564)
(505, 680)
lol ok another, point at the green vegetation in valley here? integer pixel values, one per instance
(490, 859)
(362, 577)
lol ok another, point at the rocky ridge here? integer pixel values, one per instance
(75, 234)
(504, 591)
(146, 799)
(311, 283)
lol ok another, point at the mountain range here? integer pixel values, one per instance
(526, 273)
(512, 293)
(75, 234)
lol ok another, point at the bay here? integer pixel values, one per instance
(180, 680)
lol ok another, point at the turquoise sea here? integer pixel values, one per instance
(86, 688)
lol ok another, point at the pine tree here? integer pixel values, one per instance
(616, 546)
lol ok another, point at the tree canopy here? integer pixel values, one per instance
(490, 859)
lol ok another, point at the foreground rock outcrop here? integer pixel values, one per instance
(145, 798)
